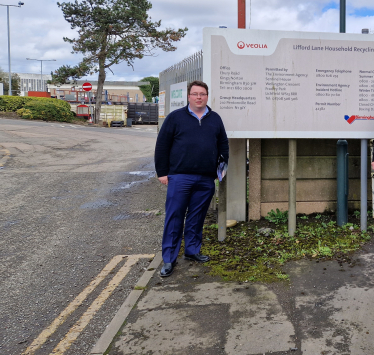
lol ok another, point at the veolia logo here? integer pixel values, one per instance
(242, 45)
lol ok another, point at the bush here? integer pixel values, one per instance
(12, 103)
(46, 111)
(37, 108)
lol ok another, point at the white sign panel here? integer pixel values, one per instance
(273, 84)
(178, 95)
(161, 104)
(1, 89)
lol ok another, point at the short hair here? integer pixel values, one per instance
(197, 83)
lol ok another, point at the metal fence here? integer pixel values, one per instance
(189, 69)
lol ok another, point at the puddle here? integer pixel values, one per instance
(97, 204)
(144, 177)
(127, 185)
(143, 173)
(66, 197)
(121, 217)
(136, 215)
(9, 224)
(60, 197)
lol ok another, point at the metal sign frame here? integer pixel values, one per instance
(276, 84)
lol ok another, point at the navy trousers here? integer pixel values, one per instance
(186, 193)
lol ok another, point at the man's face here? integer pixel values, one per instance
(197, 98)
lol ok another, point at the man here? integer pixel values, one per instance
(188, 146)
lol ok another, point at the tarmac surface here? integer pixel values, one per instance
(326, 309)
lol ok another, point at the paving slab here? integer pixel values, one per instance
(325, 309)
(204, 317)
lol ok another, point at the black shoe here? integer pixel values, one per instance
(167, 269)
(197, 257)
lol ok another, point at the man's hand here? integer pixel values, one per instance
(164, 180)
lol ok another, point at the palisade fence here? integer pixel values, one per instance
(189, 69)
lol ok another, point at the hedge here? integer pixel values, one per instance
(37, 108)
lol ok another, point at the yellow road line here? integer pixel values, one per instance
(46, 333)
(78, 327)
(5, 157)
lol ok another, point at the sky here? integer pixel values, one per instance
(38, 27)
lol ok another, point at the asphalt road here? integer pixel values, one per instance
(76, 203)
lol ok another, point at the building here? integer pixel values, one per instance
(33, 82)
(114, 91)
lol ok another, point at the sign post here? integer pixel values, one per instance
(88, 87)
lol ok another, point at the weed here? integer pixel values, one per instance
(245, 255)
(212, 226)
(318, 216)
(282, 276)
(357, 214)
(304, 217)
(277, 217)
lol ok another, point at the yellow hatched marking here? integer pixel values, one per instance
(46, 333)
(78, 327)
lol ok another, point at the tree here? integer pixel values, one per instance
(61, 75)
(16, 82)
(151, 90)
(111, 32)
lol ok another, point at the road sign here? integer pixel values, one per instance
(87, 86)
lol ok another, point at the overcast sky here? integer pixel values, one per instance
(37, 29)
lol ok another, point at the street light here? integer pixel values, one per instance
(41, 68)
(10, 73)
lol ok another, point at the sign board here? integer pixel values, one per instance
(1, 89)
(178, 95)
(161, 104)
(87, 87)
(275, 84)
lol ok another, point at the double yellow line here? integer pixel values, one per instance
(6, 156)
(79, 326)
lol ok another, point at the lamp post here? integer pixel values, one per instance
(41, 68)
(10, 73)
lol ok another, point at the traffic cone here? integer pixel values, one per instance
(90, 120)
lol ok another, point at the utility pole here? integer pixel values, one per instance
(9, 66)
(241, 13)
(41, 69)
